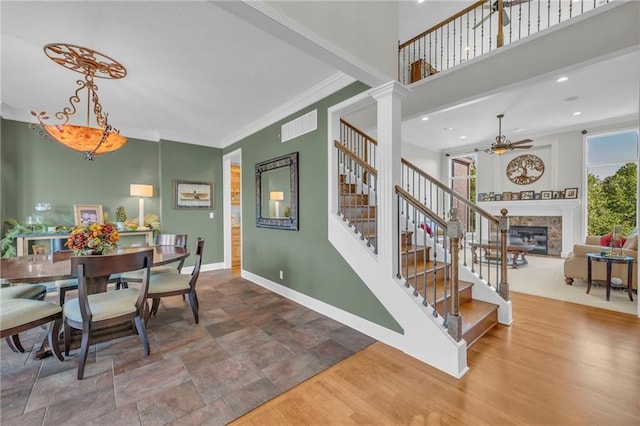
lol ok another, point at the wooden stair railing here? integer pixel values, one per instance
(479, 227)
(357, 195)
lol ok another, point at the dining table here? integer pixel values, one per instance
(37, 268)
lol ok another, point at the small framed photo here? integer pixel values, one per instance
(39, 249)
(88, 213)
(482, 196)
(497, 197)
(192, 195)
(537, 196)
(546, 195)
(526, 195)
(558, 195)
(506, 196)
(515, 196)
(571, 193)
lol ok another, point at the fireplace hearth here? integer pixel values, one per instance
(530, 235)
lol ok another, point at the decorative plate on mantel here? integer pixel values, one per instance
(525, 169)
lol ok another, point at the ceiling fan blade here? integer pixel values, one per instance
(522, 141)
(482, 20)
(505, 18)
(522, 147)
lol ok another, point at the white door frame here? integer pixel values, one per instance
(226, 203)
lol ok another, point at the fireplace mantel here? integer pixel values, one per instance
(567, 209)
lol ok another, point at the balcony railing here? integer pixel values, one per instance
(480, 28)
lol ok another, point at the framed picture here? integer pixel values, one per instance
(88, 213)
(537, 196)
(558, 195)
(515, 196)
(545, 195)
(39, 249)
(192, 195)
(526, 195)
(571, 193)
(506, 196)
(497, 197)
(482, 196)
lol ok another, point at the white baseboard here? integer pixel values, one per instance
(203, 268)
(362, 325)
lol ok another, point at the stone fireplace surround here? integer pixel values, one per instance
(559, 216)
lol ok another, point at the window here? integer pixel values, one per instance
(463, 181)
(612, 181)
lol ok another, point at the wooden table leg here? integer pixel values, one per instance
(609, 279)
(588, 274)
(630, 280)
(514, 259)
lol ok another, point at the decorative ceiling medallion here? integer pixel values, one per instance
(525, 169)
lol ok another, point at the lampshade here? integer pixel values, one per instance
(89, 140)
(139, 190)
(276, 195)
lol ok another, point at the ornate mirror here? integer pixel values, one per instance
(277, 193)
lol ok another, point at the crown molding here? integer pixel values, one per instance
(304, 99)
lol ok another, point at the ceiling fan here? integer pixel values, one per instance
(502, 144)
(494, 8)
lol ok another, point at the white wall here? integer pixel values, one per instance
(425, 159)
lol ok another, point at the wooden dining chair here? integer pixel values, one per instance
(165, 285)
(21, 291)
(18, 315)
(177, 240)
(91, 312)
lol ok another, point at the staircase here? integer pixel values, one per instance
(417, 266)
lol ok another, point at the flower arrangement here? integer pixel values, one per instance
(93, 238)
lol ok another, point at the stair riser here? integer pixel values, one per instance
(411, 256)
(480, 328)
(464, 297)
(348, 188)
(360, 212)
(354, 199)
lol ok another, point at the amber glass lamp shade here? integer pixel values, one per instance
(85, 139)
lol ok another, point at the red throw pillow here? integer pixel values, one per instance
(605, 241)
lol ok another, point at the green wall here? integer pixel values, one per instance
(34, 169)
(310, 264)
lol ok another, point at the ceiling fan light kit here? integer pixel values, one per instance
(91, 141)
(502, 144)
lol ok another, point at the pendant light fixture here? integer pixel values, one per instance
(91, 141)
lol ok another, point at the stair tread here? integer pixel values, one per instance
(475, 311)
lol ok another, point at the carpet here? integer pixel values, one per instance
(544, 277)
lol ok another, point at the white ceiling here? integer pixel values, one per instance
(198, 74)
(605, 92)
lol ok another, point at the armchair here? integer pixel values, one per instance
(575, 265)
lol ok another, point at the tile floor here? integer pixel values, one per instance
(249, 346)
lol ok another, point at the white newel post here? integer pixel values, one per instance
(389, 99)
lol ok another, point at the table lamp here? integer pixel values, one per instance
(141, 191)
(277, 196)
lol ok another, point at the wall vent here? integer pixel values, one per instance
(301, 125)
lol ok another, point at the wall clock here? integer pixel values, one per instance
(525, 169)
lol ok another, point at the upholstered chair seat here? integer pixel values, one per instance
(104, 305)
(17, 315)
(21, 291)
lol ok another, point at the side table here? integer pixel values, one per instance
(610, 261)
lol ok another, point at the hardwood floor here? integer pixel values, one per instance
(558, 364)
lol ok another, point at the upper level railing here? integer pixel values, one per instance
(480, 28)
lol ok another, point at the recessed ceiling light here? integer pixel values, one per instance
(420, 1)
(518, 130)
(463, 137)
(425, 118)
(448, 128)
(562, 79)
(577, 113)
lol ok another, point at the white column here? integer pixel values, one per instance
(389, 99)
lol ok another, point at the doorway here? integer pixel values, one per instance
(232, 188)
